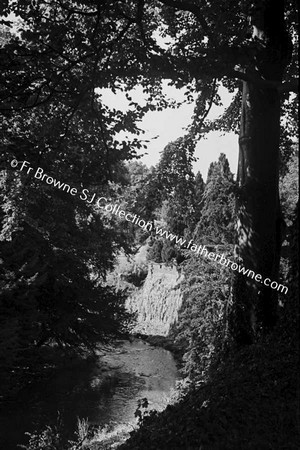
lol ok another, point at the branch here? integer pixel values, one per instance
(210, 103)
(192, 8)
(139, 19)
(207, 110)
(78, 11)
(289, 86)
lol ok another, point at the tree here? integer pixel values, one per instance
(134, 195)
(56, 247)
(176, 180)
(175, 196)
(51, 276)
(216, 224)
(202, 328)
(199, 191)
(259, 214)
(113, 44)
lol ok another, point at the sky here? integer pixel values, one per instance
(163, 127)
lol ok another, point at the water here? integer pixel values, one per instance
(107, 394)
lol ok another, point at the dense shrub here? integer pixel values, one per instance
(201, 329)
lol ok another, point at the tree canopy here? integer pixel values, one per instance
(56, 57)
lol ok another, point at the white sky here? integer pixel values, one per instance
(169, 124)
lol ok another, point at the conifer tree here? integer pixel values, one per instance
(216, 224)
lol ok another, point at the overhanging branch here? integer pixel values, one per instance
(289, 86)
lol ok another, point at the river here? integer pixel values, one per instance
(107, 395)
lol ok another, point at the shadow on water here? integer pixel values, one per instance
(105, 393)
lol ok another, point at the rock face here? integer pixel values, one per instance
(158, 301)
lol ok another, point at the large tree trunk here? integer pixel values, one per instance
(258, 207)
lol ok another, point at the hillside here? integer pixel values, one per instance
(251, 402)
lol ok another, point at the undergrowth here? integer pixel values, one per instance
(250, 402)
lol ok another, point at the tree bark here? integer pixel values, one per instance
(258, 208)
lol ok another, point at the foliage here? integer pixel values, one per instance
(52, 290)
(52, 437)
(51, 284)
(176, 178)
(198, 196)
(155, 249)
(291, 319)
(136, 274)
(74, 50)
(177, 200)
(217, 220)
(289, 195)
(134, 193)
(250, 402)
(169, 252)
(289, 189)
(53, 115)
(201, 330)
(46, 440)
(141, 413)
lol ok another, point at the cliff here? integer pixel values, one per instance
(158, 301)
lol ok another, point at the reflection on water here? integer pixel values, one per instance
(107, 394)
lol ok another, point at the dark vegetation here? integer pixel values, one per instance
(237, 340)
(232, 397)
(251, 402)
